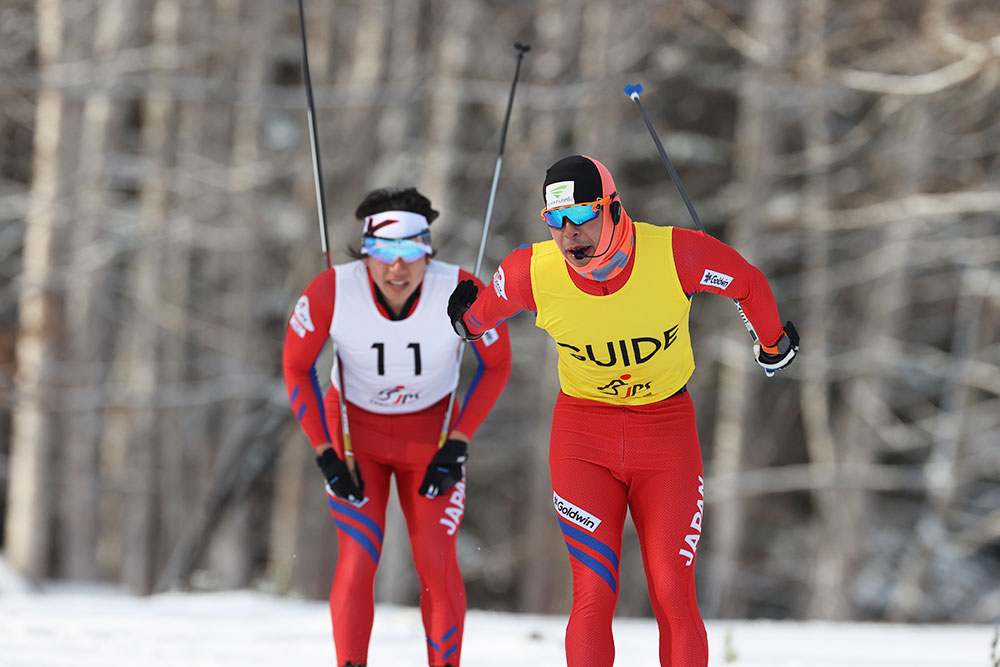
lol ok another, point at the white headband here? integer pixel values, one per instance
(395, 224)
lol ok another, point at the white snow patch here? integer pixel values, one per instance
(102, 627)
(10, 580)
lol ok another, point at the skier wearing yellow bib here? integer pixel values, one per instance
(615, 296)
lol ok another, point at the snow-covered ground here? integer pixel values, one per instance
(97, 627)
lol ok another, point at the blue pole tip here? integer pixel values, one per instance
(633, 89)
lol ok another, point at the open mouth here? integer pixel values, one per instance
(578, 250)
(398, 283)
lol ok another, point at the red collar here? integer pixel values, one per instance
(602, 287)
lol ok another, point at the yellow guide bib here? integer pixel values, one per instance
(632, 347)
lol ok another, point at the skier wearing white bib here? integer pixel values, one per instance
(386, 312)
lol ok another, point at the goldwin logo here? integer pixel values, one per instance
(571, 512)
(716, 279)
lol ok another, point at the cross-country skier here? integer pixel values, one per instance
(615, 296)
(386, 313)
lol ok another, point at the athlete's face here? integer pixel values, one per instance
(579, 237)
(398, 280)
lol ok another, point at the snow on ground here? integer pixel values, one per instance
(99, 627)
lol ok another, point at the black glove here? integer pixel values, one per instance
(338, 477)
(445, 469)
(464, 296)
(787, 346)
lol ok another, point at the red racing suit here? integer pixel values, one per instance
(400, 444)
(623, 429)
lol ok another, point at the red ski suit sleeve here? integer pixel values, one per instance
(304, 341)
(694, 254)
(492, 371)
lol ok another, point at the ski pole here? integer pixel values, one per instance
(633, 90)
(521, 50)
(321, 209)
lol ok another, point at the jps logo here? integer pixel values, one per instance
(693, 538)
(395, 396)
(623, 387)
(571, 512)
(455, 509)
(716, 279)
(633, 351)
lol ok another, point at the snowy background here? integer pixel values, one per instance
(73, 625)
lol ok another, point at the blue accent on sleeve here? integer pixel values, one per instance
(590, 541)
(295, 394)
(360, 538)
(447, 654)
(433, 645)
(301, 412)
(472, 385)
(523, 246)
(448, 634)
(595, 565)
(353, 513)
(475, 321)
(502, 320)
(318, 394)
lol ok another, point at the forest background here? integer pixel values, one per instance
(159, 221)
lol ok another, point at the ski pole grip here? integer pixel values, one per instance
(633, 90)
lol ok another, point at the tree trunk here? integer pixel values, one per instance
(31, 501)
(142, 518)
(231, 551)
(827, 594)
(303, 544)
(754, 168)
(447, 113)
(934, 537)
(91, 306)
(397, 147)
(544, 577)
(868, 411)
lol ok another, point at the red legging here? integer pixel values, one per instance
(411, 441)
(603, 459)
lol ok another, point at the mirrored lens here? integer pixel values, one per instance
(388, 251)
(577, 214)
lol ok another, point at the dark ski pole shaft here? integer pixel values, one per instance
(314, 140)
(521, 50)
(324, 239)
(633, 91)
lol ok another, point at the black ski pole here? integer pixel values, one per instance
(633, 90)
(314, 140)
(321, 207)
(521, 50)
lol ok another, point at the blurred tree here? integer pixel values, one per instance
(31, 505)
